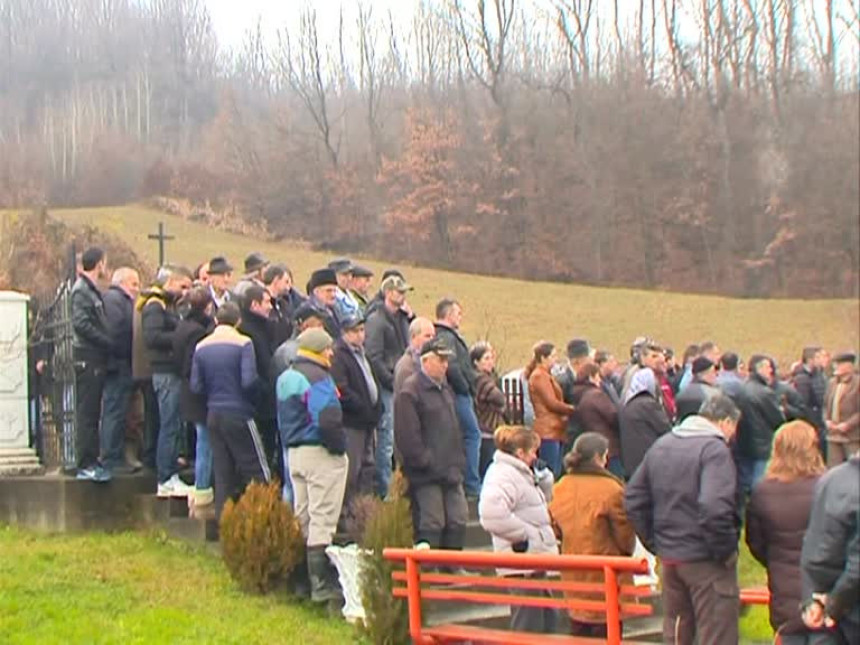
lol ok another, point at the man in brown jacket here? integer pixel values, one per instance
(842, 410)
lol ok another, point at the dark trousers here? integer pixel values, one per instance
(441, 512)
(700, 603)
(89, 384)
(592, 630)
(151, 423)
(360, 448)
(268, 430)
(238, 457)
(116, 399)
(538, 620)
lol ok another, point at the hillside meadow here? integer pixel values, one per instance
(514, 314)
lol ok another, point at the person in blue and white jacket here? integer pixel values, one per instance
(310, 421)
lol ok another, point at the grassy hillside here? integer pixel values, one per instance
(515, 313)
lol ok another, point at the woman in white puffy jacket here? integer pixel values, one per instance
(513, 509)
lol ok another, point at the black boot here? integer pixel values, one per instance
(324, 585)
(299, 584)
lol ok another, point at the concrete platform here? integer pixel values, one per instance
(59, 503)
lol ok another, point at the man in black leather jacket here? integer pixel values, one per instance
(92, 346)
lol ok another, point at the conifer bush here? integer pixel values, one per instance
(390, 525)
(261, 539)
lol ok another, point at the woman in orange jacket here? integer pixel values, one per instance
(551, 412)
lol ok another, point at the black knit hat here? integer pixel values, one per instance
(702, 364)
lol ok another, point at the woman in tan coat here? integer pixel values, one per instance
(587, 508)
(551, 412)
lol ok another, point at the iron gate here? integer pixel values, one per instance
(54, 377)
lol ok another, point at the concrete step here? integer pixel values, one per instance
(192, 529)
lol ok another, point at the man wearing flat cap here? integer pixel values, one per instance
(428, 438)
(362, 408)
(842, 410)
(359, 287)
(387, 339)
(345, 303)
(310, 420)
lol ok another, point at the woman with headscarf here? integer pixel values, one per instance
(642, 419)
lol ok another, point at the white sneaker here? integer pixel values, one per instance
(174, 487)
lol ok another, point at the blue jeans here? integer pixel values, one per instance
(203, 458)
(167, 387)
(465, 407)
(116, 398)
(750, 472)
(384, 443)
(550, 452)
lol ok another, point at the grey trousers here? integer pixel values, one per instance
(441, 512)
(701, 603)
(319, 479)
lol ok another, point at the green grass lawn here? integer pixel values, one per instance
(514, 314)
(140, 588)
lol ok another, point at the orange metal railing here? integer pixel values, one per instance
(611, 566)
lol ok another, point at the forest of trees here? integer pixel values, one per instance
(701, 145)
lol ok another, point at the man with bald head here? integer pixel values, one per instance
(421, 330)
(119, 385)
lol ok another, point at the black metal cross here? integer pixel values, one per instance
(162, 238)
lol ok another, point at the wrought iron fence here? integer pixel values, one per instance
(51, 341)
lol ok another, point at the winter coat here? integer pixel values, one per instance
(386, 338)
(461, 373)
(807, 384)
(830, 558)
(848, 410)
(258, 330)
(513, 507)
(406, 366)
(119, 312)
(280, 321)
(597, 413)
(159, 321)
(92, 340)
(777, 516)
(190, 331)
(490, 403)
(682, 499)
(588, 509)
(224, 372)
(427, 433)
(331, 323)
(689, 400)
(760, 417)
(359, 411)
(309, 412)
(551, 412)
(731, 385)
(642, 421)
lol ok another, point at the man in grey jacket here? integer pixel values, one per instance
(682, 502)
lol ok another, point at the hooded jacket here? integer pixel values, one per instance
(513, 506)
(159, 321)
(682, 500)
(309, 412)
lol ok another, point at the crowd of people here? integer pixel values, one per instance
(327, 391)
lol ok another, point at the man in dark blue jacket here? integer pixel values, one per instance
(682, 502)
(224, 372)
(119, 311)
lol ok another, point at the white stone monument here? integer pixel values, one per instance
(16, 455)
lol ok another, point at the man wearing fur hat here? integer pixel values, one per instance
(322, 295)
(310, 421)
